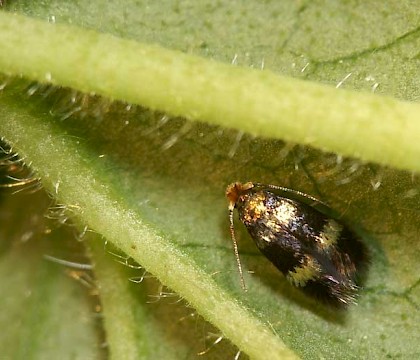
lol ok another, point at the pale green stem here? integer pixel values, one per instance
(372, 128)
(72, 175)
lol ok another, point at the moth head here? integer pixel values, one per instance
(235, 190)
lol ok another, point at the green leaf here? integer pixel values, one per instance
(43, 310)
(154, 188)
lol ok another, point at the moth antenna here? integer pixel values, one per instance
(235, 248)
(296, 192)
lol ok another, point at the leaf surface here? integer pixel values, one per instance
(171, 174)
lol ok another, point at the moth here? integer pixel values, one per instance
(302, 237)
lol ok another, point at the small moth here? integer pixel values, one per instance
(299, 235)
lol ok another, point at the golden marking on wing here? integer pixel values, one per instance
(284, 212)
(300, 275)
(330, 233)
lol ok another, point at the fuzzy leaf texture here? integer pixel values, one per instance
(150, 182)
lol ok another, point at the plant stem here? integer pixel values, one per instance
(366, 126)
